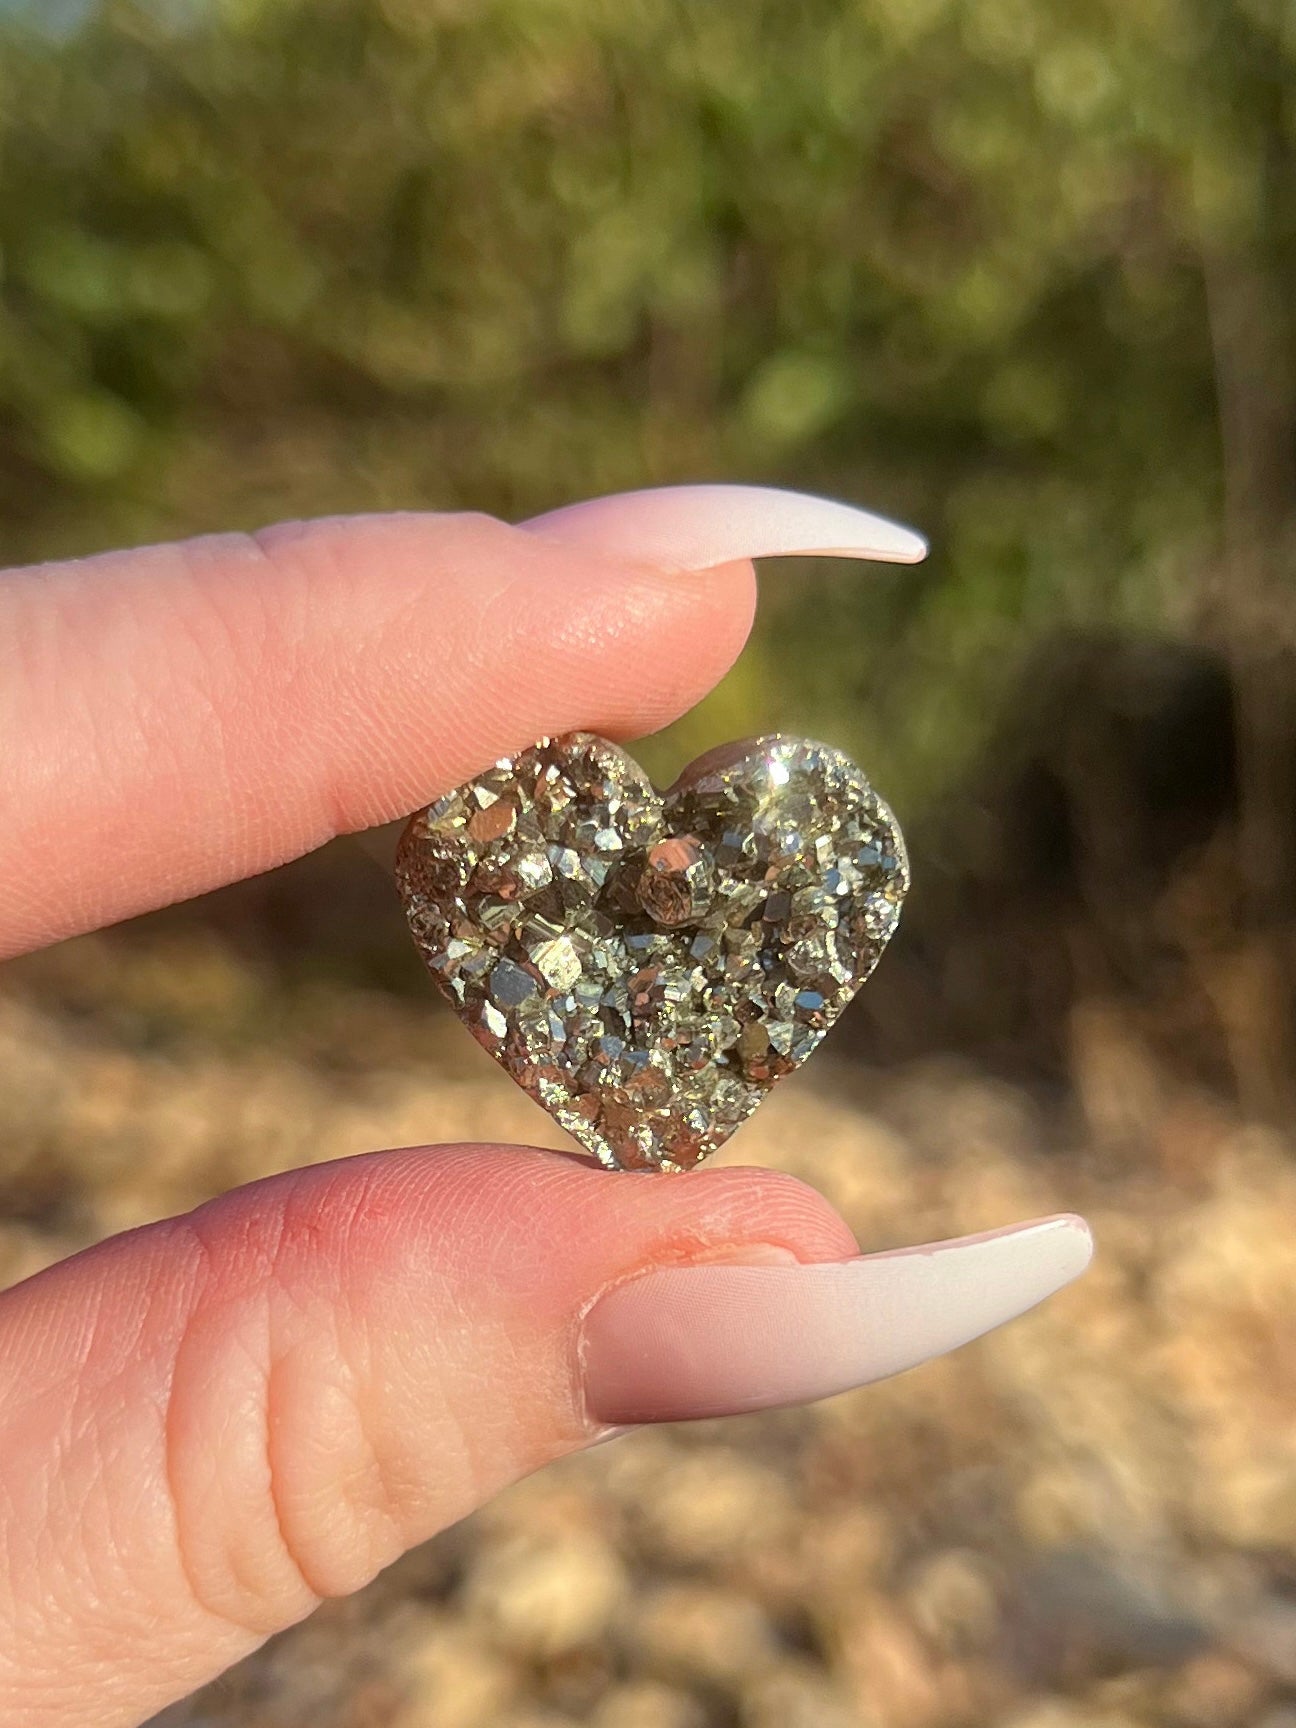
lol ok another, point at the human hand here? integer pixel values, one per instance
(210, 1424)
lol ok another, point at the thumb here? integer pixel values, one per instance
(218, 1420)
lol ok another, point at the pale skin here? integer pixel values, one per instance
(208, 1425)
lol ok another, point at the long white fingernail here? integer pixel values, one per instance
(696, 527)
(716, 1339)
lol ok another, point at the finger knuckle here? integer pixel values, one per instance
(284, 1489)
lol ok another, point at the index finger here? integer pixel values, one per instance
(178, 717)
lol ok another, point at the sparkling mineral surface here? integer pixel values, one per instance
(648, 965)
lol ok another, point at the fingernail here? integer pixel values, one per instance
(717, 1339)
(695, 527)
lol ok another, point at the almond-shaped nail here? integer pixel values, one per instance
(695, 527)
(719, 1338)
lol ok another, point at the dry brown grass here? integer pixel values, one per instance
(1087, 1520)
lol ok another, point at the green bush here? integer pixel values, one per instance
(1002, 267)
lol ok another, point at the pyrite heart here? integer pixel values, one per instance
(647, 965)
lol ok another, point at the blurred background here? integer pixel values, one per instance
(1020, 273)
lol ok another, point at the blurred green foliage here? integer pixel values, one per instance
(961, 260)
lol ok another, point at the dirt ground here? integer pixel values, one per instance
(1087, 1520)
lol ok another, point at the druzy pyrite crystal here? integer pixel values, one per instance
(647, 965)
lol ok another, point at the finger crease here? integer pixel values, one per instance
(274, 1487)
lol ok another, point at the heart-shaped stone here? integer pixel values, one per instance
(647, 965)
